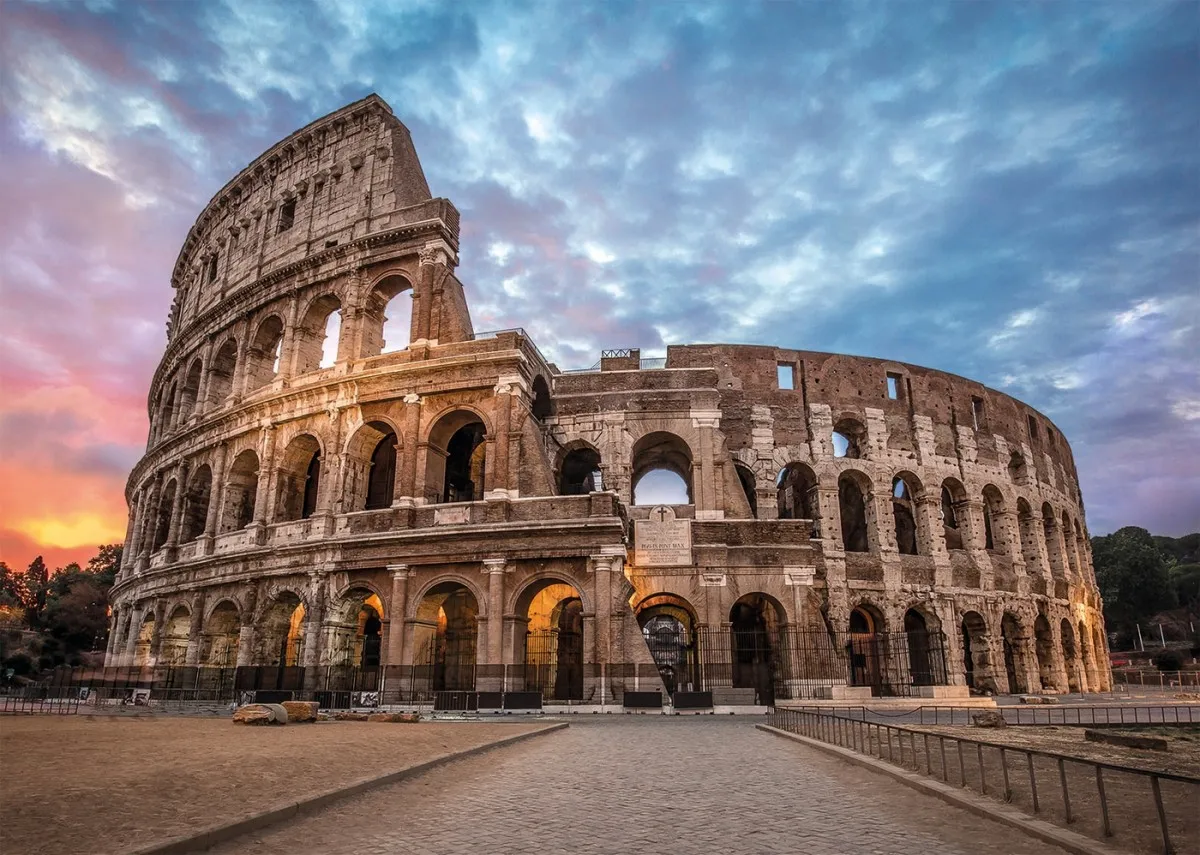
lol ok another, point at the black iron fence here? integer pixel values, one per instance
(1100, 715)
(1102, 799)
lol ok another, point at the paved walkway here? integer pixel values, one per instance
(645, 785)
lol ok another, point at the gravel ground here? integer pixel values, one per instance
(94, 785)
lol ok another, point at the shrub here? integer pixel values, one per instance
(1168, 660)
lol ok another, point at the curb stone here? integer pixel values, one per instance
(1071, 841)
(214, 835)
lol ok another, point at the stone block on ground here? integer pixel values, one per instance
(349, 716)
(988, 718)
(254, 714)
(301, 711)
(394, 717)
(1038, 699)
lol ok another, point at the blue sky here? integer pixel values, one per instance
(1007, 191)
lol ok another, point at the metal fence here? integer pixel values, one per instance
(1066, 789)
(1166, 681)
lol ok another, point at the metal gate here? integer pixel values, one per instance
(554, 664)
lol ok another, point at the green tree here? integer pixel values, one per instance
(1131, 572)
(11, 589)
(78, 617)
(35, 586)
(1185, 579)
(106, 563)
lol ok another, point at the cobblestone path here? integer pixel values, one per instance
(644, 785)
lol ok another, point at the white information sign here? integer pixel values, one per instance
(662, 540)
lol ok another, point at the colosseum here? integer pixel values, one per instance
(346, 485)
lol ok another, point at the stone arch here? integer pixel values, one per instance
(551, 609)
(977, 656)
(906, 491)
(265, 352)
(221, 371)
(162, 522)
(866, 647)
(176, 631)
(456, 456)
(387, 315)
(299, 478)
(854, 491)
(316, 340)
(145, 639)
(195, 503)
(670, 628)
(1070, 655)
(446, 635)
(241, 491)
(189, 393)
(1100, 651)
(1086, 657)
(993, 508)
(281, 629)
(954, 513)
(746, 479)
(922, 631)
(1054, 543)
(372, 457)
(542, 405)
(1018, 469)
(221, 634)
(354, 627)
(166, 416)
(1013, 641)
(662, 451)
(757, 621)
(849, 438)
(579, 469)
(531, 586)
(798, 493)
(1030, 539)
(1071, 560)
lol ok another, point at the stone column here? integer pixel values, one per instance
(237, 384)
(495, 568)
(181, 488)
(603, 567)
(406, 478)
(216, 497)
(246, 630)
(131, 639)
(156, 637)
(399, 605)
(196, 630)
(114, 628)
(266, 462)
(707, 495)
(423, 294)
(314, 619)
(498, 461)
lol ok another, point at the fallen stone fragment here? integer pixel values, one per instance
(407, 718)
(1147, 743)
(254, 714)
(301, 711)
(1038, 699)
(350, 716)
(988, 718)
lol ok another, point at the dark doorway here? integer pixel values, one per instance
(754, 625)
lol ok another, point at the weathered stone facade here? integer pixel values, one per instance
(448, 501)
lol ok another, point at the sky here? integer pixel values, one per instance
(1006, 191)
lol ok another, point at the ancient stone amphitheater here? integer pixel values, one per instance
(344, 478)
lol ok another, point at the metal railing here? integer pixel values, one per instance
(1166, 681)
(1107, 793)
(1112, 715)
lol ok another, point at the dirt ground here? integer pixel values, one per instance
(1134, 823)
(93, 785)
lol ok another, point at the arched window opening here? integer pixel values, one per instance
(542, 406)
(669, 626)
(195, 503)
(166, 418)
(746, 479)
(299, 479)
(852, 505)
(953, 499)
(222, 632)
(1054, 544)
(580, 473)
(662, 470)
(445, 638)
(316, 339)
(381, 481)
(220, 375)
(755, 623)
(904, 517)
(1069, 546)
(166, 503)
(797, 495)
(190, 392)
(989, 541)
(849, 439)
(993, 507)
(145, 639)
(456, 460)
(264, 355)
(241, 490)
(465, 464)
(553, 653)
(356, 630)
(1029, 537)
(387, 319)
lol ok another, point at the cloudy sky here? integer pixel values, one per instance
(1007, 191)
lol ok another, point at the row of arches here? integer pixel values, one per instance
(1014, 657)
(270, 349)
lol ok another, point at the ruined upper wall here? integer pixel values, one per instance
(351, 173)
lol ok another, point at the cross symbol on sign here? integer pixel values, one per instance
(662, 513)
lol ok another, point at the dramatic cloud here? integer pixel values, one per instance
(1006, 191)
